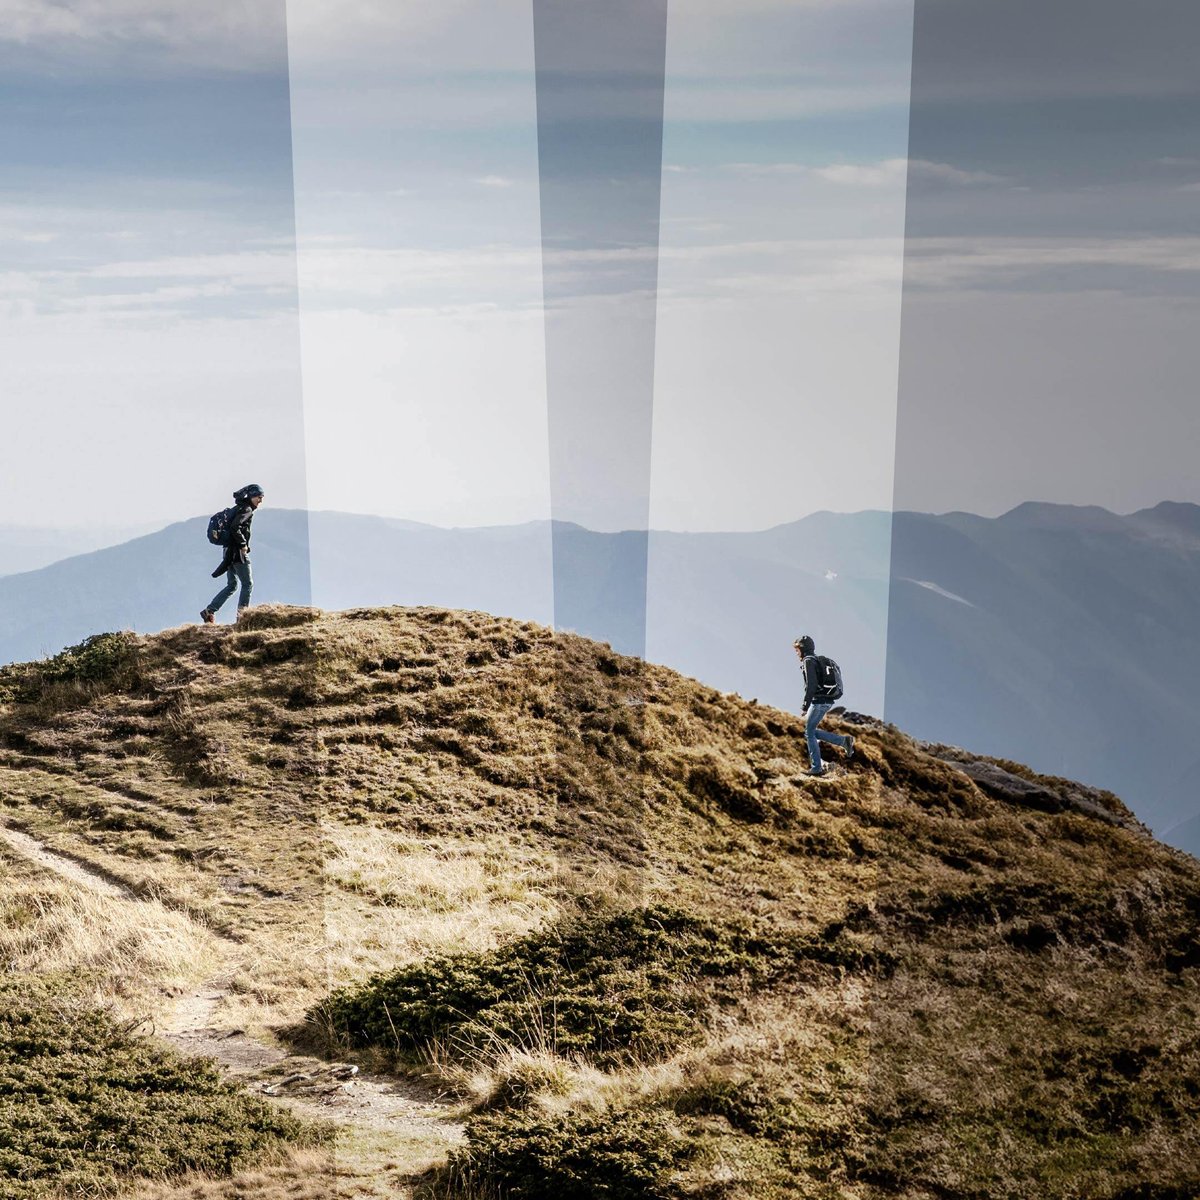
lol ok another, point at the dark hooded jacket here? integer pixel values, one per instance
(812, 679)
(237, 548)
(239, 527)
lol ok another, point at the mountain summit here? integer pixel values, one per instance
(596, 905)
(1018, 636)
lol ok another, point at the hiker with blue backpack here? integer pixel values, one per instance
(822, 689)
(231, 528)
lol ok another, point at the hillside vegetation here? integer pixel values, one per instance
(602, 910)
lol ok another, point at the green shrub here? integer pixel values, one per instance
(610, 989)
(102, 660)
(749, 1105)
(626, 1154)
(83, 1102)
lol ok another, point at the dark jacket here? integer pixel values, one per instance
(239, 527)
(812, 680)
(237, 549)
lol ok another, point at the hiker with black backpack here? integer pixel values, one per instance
(822, 689)
(231, 528)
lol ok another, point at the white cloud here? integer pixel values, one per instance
(881, 174)
(508, 278)
(720, 100)
(892, 170)
(884, 173)
(961, 263)
(158, 289)
(496, 181)
(946, 173)
(776, 168)
(354, 39)
(227, 33)
(450, 36)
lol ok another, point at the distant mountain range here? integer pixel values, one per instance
(1063, 636)
(1057, 635)
(28, 547)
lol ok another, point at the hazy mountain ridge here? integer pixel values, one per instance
(1077, 651)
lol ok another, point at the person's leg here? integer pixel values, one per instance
(815, 713)
(230, 587)
(844, 740)
(834, 739)
(247, 581)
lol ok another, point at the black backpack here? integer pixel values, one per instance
(218, 526)
(829, 679)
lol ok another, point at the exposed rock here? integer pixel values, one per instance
(1015, 789)
(857, 718)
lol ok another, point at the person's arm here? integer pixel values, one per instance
(810, 682)
(239, 535)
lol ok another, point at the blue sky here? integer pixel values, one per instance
(309, 252)
(389, 357)
(147, 291)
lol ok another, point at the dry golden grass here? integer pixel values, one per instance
(130, 952)
(358, 1167)
(391, 899)
(302, 1175)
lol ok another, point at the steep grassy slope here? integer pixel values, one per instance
(604, 904)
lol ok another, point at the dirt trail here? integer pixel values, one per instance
(309, 1086)
(67, 868)
(416, 1127)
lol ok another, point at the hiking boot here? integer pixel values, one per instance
(208, 616)
(815, 771)
(849, 746)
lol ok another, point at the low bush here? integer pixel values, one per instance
(749, 1105)
(609, 989)
(628, 1154)
(85, 1102)
(101, 658)
(104, 660)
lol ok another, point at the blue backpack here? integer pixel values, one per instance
(218, 526)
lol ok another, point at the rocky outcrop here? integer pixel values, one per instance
(1046, 795)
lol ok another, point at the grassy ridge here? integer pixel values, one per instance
(428, 812)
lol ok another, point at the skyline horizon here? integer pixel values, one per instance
(141, 529)
(27, 549)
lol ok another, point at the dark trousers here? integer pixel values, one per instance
(238, 573)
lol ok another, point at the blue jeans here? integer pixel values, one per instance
(239, 573)
(814, 735)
